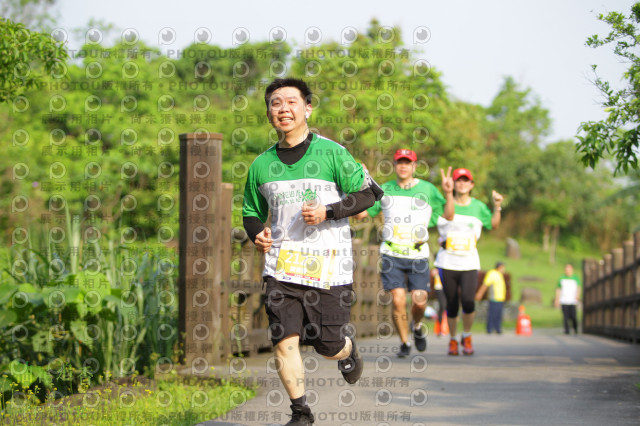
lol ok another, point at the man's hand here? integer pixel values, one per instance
(497, 198)
(314, 212)
(447, 181)
(264, 241)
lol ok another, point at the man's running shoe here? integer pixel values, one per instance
(420, 339)
(352, 366)
(300, 416)
(404, 350)
(453, 347)
(467, 346)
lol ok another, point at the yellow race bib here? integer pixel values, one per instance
(460, 243)
(304, 265)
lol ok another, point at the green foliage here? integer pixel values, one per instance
(69, 320)
(103, 140)
(26, 57)
(617, 135)
(175, 401)
(31, 13)
(515, 125)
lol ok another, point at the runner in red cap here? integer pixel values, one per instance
(458, 259)
(405, 153)
(458, 173)
(410, 206)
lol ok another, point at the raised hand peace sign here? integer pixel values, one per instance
(447, 181)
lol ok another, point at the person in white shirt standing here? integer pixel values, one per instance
(568, 296)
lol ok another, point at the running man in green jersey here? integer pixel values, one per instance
(309, 185)
(410, 205)
(458, 259)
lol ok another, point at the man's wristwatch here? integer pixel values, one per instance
(330, 213)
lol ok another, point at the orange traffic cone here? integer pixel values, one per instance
(436, 328)
(523, 323)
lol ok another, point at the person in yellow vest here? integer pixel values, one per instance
(494, 281)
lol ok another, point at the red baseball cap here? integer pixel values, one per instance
(405, 153)
(458, 173)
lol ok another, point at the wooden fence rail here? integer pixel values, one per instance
(611, 293)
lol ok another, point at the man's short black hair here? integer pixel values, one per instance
(288, 82)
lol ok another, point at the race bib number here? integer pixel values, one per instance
(402, 232)
(460, 243)
(304, 265)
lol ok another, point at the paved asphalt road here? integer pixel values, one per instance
(544, 379)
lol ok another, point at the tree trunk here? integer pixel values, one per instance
(554, 244)
(546, 229)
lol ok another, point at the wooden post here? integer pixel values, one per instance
(635, 287)
(618, 263)
(627, 278)
(587, 293)
(636, 257)
(199, 278)
(224, 245)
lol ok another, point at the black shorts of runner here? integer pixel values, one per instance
(320, 317)
(460, 288)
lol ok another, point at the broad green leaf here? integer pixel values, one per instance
(73, 295)
(82, 309)
(53, 297)
(112, 299)
(6, 291)
(41, 342)
(5, 384)
(42, 374)
(35, 299)
(27, 288)
(7, 317)
(94, 301)
(22, 373)
(79, 330)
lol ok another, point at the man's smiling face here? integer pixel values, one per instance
(287, 111)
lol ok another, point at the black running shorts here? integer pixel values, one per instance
(320, 317)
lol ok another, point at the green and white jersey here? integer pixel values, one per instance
(313, 255)
(569, 288)
(460, 235)
(408, 213)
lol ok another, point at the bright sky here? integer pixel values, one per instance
(475, 44)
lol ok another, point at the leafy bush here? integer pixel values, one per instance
(83, 313)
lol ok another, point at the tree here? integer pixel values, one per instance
(617, 134)
(515, 124)
(23, 54)
(32, 13)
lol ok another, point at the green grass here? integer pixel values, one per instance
(533, 269)
(185, 401)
